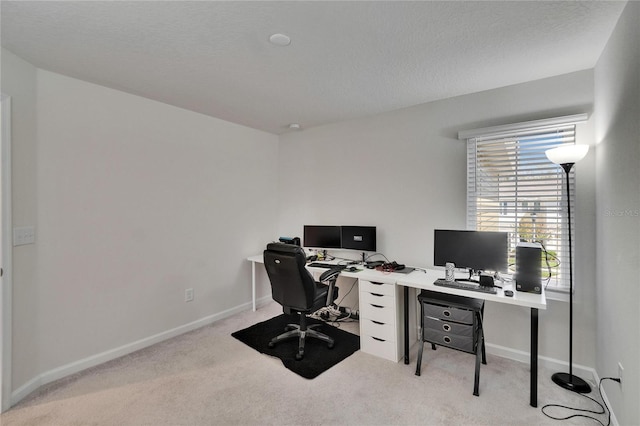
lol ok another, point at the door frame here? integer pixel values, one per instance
(6, 287)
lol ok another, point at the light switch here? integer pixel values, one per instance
(24, 235)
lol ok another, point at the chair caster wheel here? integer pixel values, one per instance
(271, 345)
(299, 357)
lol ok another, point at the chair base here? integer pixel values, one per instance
(296, 331)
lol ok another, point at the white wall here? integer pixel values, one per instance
(405, 172)
(134, 201)
(617, 95)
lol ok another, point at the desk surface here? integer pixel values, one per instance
(424, 281)
(421, 280)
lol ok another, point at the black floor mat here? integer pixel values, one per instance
(317, 356)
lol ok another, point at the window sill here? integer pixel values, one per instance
(559, 294)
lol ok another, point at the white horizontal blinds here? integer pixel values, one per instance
(513, 187)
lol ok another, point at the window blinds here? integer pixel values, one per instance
(513, 187)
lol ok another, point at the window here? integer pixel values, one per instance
(513, 187)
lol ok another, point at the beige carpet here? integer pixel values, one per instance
(206, 377)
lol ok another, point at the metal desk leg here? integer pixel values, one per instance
(253, 285)
(406, 325)
(534, 358)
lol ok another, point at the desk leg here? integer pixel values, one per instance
(534, 358)
(253, 285)
(406, 325)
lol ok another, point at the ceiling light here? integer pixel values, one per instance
(280, 39)
(294, 126)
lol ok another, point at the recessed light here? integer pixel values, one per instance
(280, 39)
(294, 126)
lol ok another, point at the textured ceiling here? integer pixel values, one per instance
(346, 59)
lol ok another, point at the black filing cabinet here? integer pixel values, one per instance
(454, 322)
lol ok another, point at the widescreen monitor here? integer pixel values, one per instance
(476, 250)
(361, 238)
(322, 237)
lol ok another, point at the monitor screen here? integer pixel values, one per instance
(359, 238)
(325, 237)
(477, 250)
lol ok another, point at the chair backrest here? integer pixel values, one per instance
(292, 285)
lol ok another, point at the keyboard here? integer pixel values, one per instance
(465, 286)
(326, 265)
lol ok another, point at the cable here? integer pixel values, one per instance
(355, 280)
(374, 254)
(584, 410)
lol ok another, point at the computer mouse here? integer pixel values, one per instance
(508, 293)
(352, 269)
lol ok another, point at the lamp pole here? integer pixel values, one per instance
(566, 156)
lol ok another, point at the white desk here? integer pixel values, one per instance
(424, 281)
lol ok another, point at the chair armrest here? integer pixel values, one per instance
(329, 278)
(329, 275)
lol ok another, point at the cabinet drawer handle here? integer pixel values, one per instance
(446, 339)
(376, 283)
(376, 306)
(377, 322)
(446, 327)
(377, 295)
(378, 339)
(446, 313)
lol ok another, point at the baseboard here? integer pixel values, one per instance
(264, 300)
(586, 373)
(614, 420)
(97, 359)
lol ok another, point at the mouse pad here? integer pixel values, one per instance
(406, 270)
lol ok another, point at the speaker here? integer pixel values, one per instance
(528, 257)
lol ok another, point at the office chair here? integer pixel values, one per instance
(294, 288)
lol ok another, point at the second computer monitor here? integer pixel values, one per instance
(361, 238)
(477, 250)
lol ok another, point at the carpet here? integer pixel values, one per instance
(318, 358)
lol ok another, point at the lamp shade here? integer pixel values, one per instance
(567, 154)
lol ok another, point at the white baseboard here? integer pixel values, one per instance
(550, 363)
(614, 420)
(92, 361)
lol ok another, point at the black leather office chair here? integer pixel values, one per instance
(294, 288)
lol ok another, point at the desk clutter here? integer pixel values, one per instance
(385, 266)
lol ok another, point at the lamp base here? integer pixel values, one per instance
(571, 382)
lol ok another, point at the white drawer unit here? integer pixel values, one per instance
(380, 313)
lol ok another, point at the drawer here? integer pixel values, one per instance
(377, 299)
(377, 288)
(462, 343)
(446, 312)
(378, 329)
(384, 314)
(386, 349)
(463, 330)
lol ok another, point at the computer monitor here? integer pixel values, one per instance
(323, 237)
(474, 250)
(361, 238)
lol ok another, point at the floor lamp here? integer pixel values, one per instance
(566, 156)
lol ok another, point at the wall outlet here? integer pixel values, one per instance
(188, 295)
(620, 372)
(24, 235)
